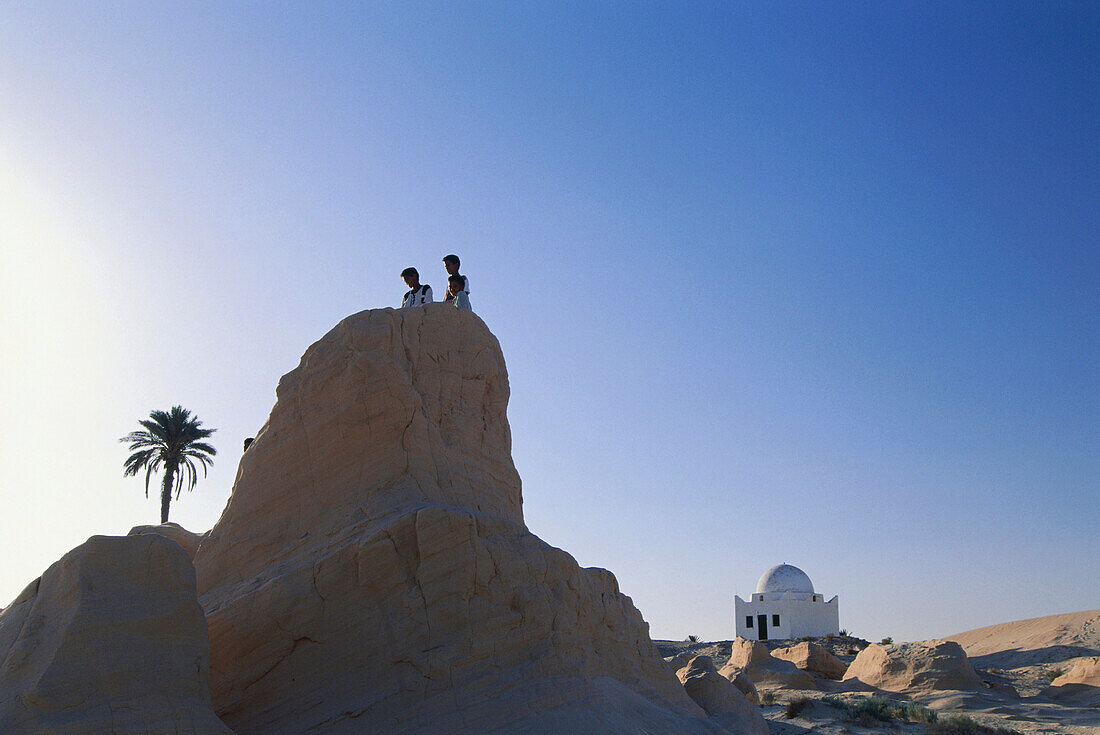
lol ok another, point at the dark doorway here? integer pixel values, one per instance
(762, 627)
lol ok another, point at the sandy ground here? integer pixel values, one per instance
(1025, 655)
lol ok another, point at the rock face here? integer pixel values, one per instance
(813, 658)
(744, 683)
(915, 667)
(111, 639)
(372, 571)
(754, 660)
(720, 699)
(1080, 685)
(188, 541)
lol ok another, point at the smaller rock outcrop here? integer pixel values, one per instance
(744, 683)
(767, 672)
(1080, 685)
(720, 699)
(813, 658)
(915, 667)
(110, 638)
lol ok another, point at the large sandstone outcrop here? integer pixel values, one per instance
(110, 639)
(372, 571)
(754, 660)
(814, 658)
(720, 698)
(915, 667)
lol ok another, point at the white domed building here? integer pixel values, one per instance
(785, 606)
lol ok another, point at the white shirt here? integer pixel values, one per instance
(467, 282)
(417, 297)
(462, 301)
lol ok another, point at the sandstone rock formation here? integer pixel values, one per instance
(372, 571)
(813, 658)
(914, 667)
(1079, 685)
(187, 540)
(756, 662)
(744, 683)
(110, 638)
(720, 698)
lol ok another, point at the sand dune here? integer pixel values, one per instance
(1047, 640)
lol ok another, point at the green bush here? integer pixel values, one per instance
(873, 710)
(693, 639)
(887, 641)
(768, 697)
(868, 710)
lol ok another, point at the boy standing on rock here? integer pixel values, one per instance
(451, 263)
(418, 295)
(455, 293)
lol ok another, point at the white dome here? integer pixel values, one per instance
(784, 578)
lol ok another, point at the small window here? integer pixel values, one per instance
(775, 620)
(748, 621)
(815, 598)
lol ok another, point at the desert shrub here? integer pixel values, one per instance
(888, 640)
(963, 725)
(853, 651)
(829, 636)
(1053, 673)
(797, 706)
(879, 708)
(806, 638)
(912, 712)
(768, 697)
(869, 711)
(844, 632)
(692, 639)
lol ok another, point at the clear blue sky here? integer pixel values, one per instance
(776, 282)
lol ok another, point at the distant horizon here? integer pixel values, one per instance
(774, 282)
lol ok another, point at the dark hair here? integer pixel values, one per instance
(410, 272)
(452, 258)
(457, 279)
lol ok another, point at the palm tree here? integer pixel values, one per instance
(171, 440)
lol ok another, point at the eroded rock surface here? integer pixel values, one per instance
(915, 667)
(720, 699)
(187, 540)
(110, 639)
(813, 658)
(1079, 685)
(754, 660)
(372, 571)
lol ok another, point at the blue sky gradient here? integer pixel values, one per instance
(776, 282)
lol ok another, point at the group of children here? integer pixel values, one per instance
(458, 287)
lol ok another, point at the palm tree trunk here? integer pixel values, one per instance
(166, 492)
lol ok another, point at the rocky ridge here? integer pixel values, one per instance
(372, 572)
